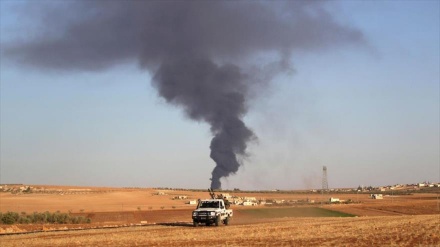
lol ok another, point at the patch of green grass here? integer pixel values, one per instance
(293, 212)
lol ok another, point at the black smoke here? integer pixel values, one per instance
(199, 52)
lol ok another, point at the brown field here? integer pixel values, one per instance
(409, 220)
(418, 230)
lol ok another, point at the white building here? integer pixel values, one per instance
(376, 196)
(332, 199)
(249, 203)
(226, 196)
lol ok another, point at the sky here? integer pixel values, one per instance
(369, 112)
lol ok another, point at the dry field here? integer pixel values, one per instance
(84, 199)
(421, 230)
(411, 220)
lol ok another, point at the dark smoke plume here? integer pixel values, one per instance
(199, 52)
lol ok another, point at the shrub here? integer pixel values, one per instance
(41, 218)
(10, 218)
(24, 220)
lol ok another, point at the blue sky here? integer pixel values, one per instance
(370, 114)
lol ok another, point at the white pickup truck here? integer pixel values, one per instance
(211, 211)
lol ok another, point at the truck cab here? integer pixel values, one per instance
(211, 211)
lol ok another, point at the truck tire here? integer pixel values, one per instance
(217, 220)
(227, 221)
(195, 223)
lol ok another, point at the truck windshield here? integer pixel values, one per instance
(209, 205)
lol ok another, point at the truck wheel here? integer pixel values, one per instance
(217, 220)
(195, 223)
(227, 221)
(208, 223)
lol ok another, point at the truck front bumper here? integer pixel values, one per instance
(204, 219)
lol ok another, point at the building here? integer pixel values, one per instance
(250, 199)
(226, 196)
(332, 199)
(249, 203)
(376, 196)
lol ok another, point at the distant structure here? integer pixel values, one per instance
(376, 196)
(324, 179)
(324, 182)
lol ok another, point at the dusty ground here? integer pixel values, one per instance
(89, 200)
(420, 230)
(410, 220)
(415, 204)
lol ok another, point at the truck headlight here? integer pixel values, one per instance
(212, 213)
(194, 213)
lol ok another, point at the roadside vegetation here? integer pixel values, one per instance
(10, 218)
